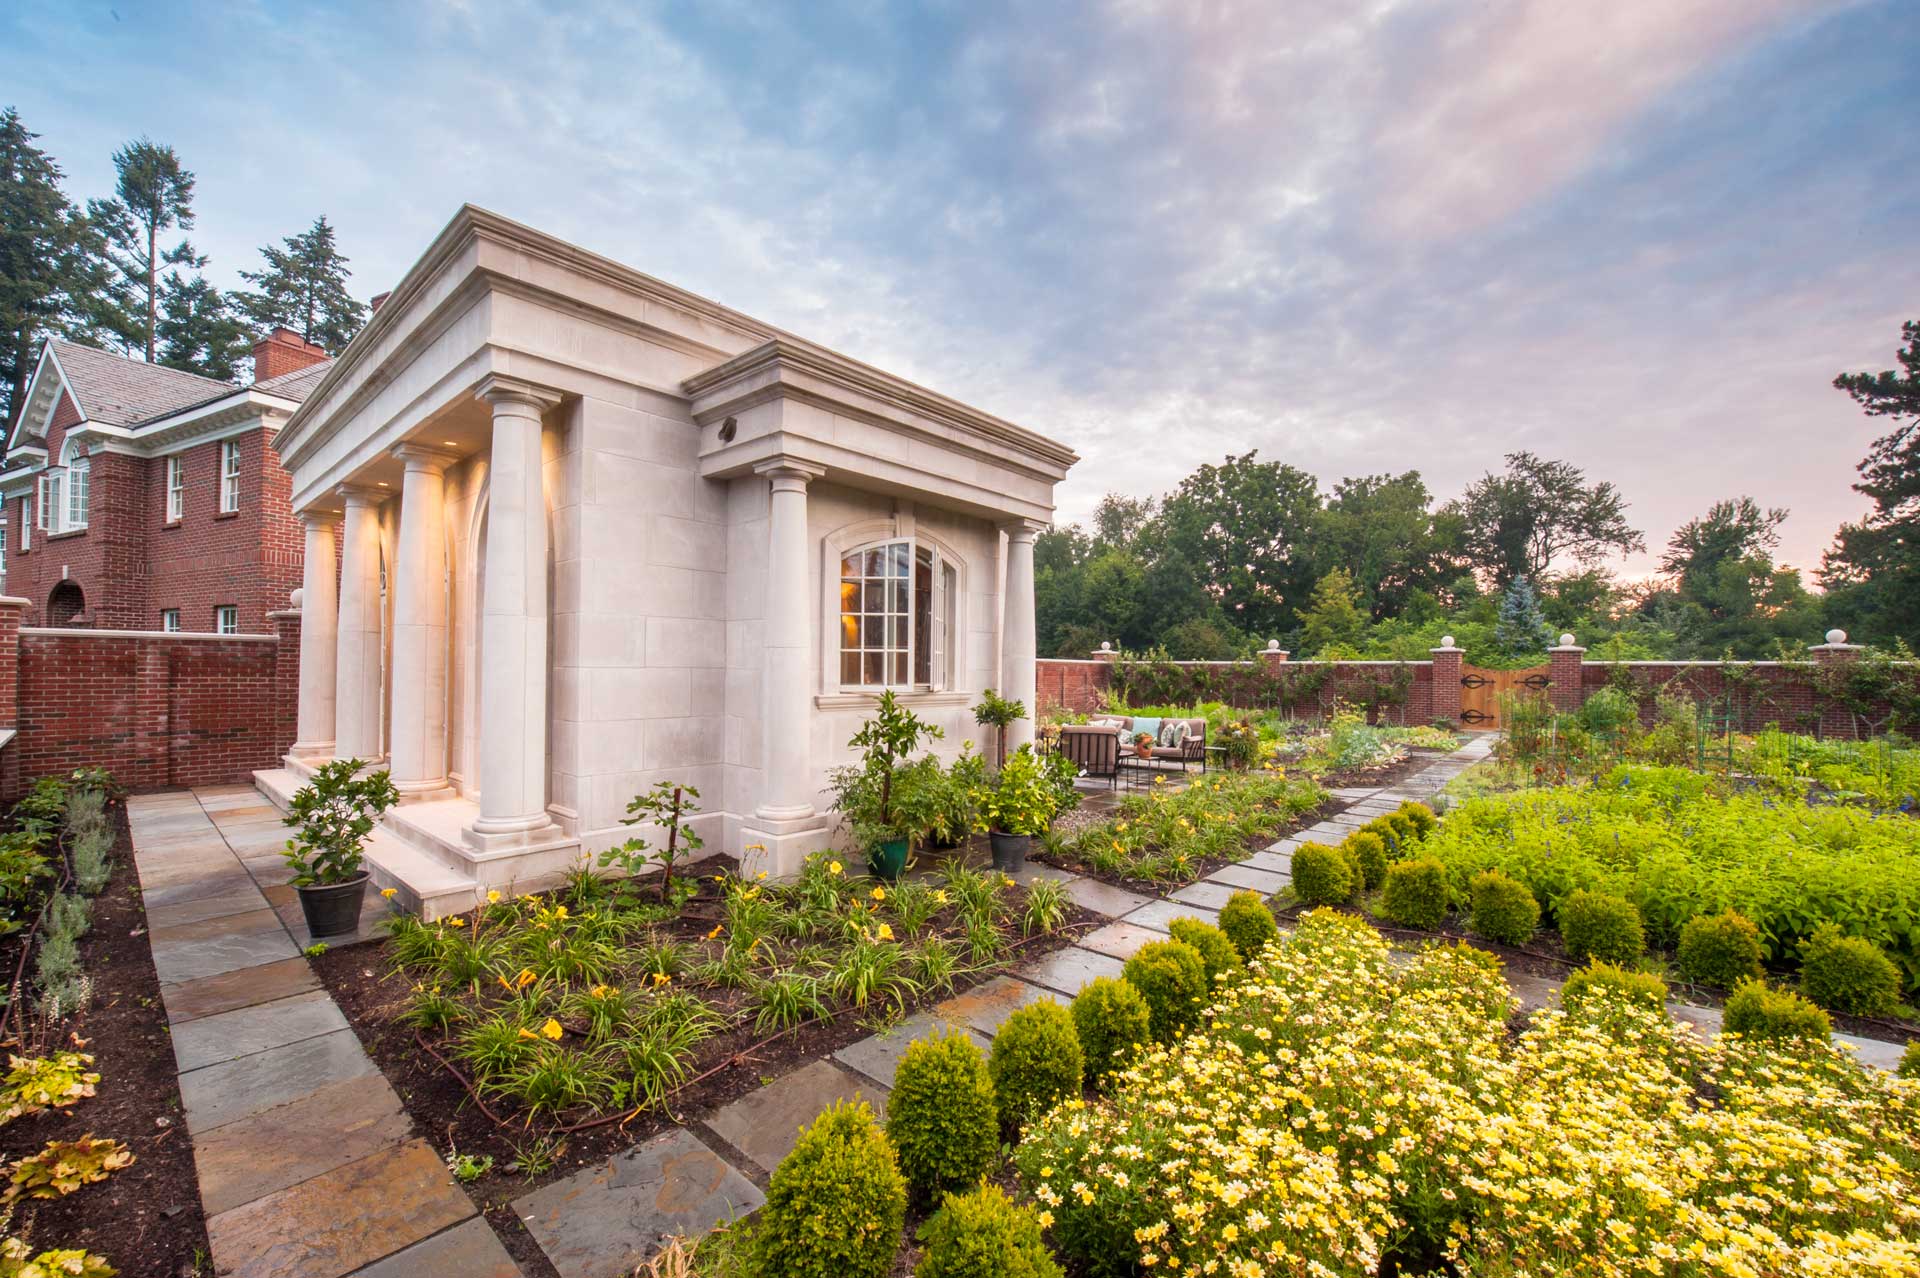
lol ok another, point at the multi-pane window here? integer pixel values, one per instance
(26, 523)
(226, 620)
(229, 475)
(53, 500)
(79, 476)
(896, 606)
(176, 488)
(170, 620)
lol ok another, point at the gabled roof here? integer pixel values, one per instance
(296, 385)
(116, 391)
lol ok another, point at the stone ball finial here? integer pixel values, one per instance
(1273, 645)
(1566, 641)
(296, 597)
(1836, 636)
(1446, 641)
(1105, 646)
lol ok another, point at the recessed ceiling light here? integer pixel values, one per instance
(383, 483)
(450, 443)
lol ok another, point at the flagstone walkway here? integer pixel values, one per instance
(309, 1167)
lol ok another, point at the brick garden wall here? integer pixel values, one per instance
(1394, 692)
(157, 710)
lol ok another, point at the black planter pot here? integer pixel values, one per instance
(1009, 851)
(333, 909)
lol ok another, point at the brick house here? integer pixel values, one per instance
(138, 497)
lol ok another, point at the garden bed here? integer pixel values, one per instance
(378, 996)
(145, 1218)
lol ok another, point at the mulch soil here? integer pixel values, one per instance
(145, 1218)
(1350, 778)
(373, 997)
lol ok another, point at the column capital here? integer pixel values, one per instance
(789, 472)
(425, 458)
(1023, 529)
(361, 494)
(314, 518)
(506, 392)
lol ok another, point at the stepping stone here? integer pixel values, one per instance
(987, 1006)
(244, 1031)
(1353, 792)
(765, 1125)
(1210, 895)
(237, 1089)
(1039, 870)
(878, 1056)
(244, 987)
(1265, 882)
(341, 1220)
(291, 1143)
(1157, 914)
(213, 946)
(471, 1250)
(220, 882)
(240, 898)
(606, 1221)
(1288, 844)
(1535, 992)
(1270, 862)
(1120, 940)
(1104, 898)
(1071, 970)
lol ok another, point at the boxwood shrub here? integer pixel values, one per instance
(1036, 1062)
(837, 1205)
(1248, 923)
(1217, 950)
(1720, 949)
(1416, 893)
(1599, 925)
(1503, 909)
(982, 1234)
(1368, 851)
(941, 1115)
(1621, 984)
(1172, 978)
(1321, 875)
(1111, 1020)
(1848, 973)
(1758, 1010)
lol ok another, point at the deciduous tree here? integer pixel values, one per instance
(1538, 511)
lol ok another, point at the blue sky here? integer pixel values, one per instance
(1359, 237)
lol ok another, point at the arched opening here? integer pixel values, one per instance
(65, 604)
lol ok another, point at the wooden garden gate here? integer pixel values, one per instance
(1480, 691)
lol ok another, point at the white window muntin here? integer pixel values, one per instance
(226, 620)
(176, 488)
(170, 620)
(896, 603)
(229, 475)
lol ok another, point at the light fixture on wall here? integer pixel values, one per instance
(728, 429)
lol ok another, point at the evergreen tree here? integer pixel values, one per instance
(1522, 627)
(1872, 573)
(304, 288)
(198, 330)
(54, 277)
(1333, 617)
(153, 195)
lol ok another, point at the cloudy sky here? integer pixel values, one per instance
(1356, 235)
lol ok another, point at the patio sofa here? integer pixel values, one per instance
(1098, 744)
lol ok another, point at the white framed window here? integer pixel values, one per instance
(226, 620)
(53, 499)
(897, 604)
(26, 523)
(170, 620)
(229, 475)
(79, 479)
(176, 488)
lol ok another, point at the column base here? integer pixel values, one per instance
(310, 750)
(424, 791)
(781, 847)
(487, 837)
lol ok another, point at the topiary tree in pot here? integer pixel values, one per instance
(332, 816)
(886, 814)
(998, 713)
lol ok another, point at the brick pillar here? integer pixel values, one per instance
(1563, 668)
(286, 678)
(1447, 660)
(1835, 720)
(1102, 676)
(11, 611)
(1273, 655)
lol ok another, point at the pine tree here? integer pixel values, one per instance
(1333, 617)
(54, 277)
(198, 330)
(304, 288)
(154, 194)
(1522, 627)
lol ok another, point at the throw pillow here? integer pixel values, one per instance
(1149, 726)
(1173, 733)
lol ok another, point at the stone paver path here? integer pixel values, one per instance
(308, 1165)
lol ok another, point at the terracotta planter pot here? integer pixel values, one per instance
(333, 909)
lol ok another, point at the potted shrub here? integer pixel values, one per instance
(998, 713)
(1240, 743)
(1018, 804)
(332, 816)
(888, 806)
(1143, 744)
(955, 787)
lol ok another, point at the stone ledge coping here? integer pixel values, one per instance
(88, 632)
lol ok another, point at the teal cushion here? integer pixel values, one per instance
(1149, 726)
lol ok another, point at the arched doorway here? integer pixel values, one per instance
(65, 604)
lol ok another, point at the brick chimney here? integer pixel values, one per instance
(283, 351)
(379, 300)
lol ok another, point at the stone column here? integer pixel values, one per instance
(1447, 661)
(1017, 633)
(1563, 668)
(419, 747)
(512, 731)
(319, 637)
(357, 670)
(786, 761)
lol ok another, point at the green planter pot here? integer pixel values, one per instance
(887, 860)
